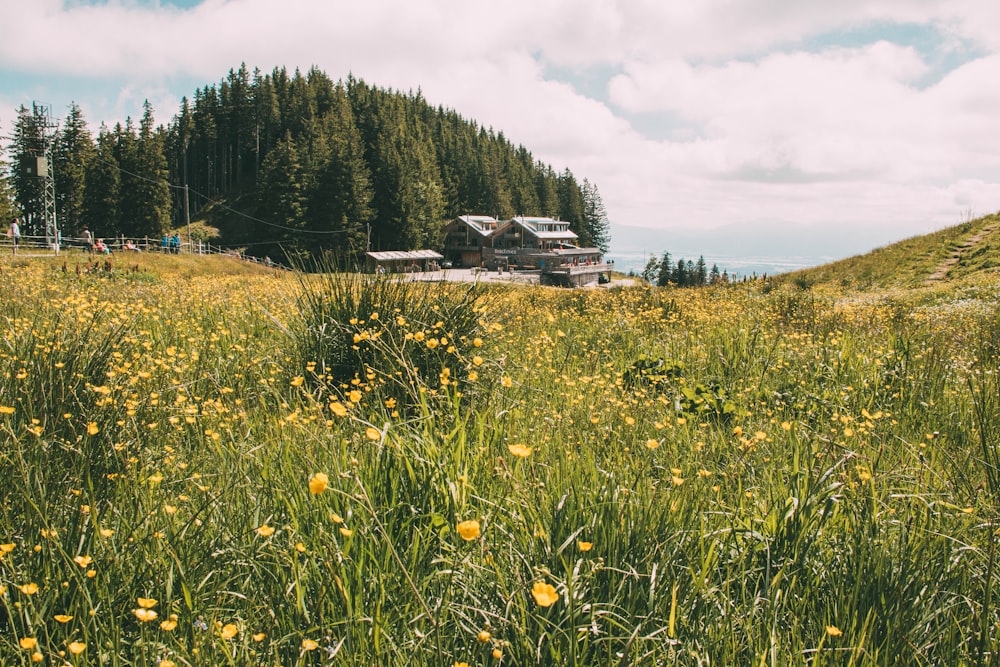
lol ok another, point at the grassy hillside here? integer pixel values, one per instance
(910, 263)
(203, 463)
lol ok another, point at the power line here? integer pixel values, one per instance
(231, 209)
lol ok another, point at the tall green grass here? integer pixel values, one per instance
(842, 513)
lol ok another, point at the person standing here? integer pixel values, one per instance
(88, 240)
(14, 233)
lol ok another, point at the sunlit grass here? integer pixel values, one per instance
(217, 465)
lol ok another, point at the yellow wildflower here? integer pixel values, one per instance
(469, 530)
(318, 483)
(545, 594)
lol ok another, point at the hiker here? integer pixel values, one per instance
(14, 233)
(175, 244)
(88, 240)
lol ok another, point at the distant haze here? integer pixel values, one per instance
(746, 249)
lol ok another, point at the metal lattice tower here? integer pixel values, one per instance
(50, 128)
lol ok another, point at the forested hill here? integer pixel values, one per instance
(300, 162)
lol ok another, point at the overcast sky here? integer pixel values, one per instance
(874, 117)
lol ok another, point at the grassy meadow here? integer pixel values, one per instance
(207, 463)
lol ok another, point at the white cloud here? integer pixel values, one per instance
(778, 133)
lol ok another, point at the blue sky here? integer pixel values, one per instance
(877, 118)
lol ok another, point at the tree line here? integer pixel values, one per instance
(663, 271)
(290, 164)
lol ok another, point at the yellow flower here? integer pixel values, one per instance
(83, 561)
(92, 429)
(469, 530)
(76, 648)
(301, 548)
(6, 410)
(478, 342)
(228, 631)
(506, 381)
(28, 589)
(355, 396)
(477, 360)
(652, 443)
(147, 603)
(520, 451)
(265, 531)
(833, 631)
(169, 625)
(483, 636)
(28, 643)
(297, 381)
(106, 532)
(338, 409)
(259, 637)
(461, 664)
(346, 532)
(37, 657)
(545, 594)
(497, 653)
(145, 615)
(373, 434)
(309, 644)
(677, 480)
(318, 483)
(6, 548)
(63, 618)
(166, 663)
(584, 546)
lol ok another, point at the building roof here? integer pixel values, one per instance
(484, 225)
(403, 255)
(569, 252)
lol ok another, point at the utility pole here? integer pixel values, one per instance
(187, 210)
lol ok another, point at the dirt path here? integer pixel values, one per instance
(941, 272)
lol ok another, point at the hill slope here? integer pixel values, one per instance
(952, 253)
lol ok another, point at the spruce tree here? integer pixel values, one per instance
(102, 179)
(27, 145)
(595, 217)
(666, 275)
(74, 149)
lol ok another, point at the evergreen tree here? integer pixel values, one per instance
(27, 145)
(651, 273)
(340, 199)
(8, 205)
(571, 207)
(680, 275)
(595, 217)
(282, 199)
(714, 277)
(102, 178)
(73, 151)
(666, 276)
(700, 272)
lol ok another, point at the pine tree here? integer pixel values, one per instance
(74, 149)
(102, 178)
(666, 275)
(8, 205)
(282, 199)
(700, 272)
(595, 217)
(27, 145)
(340, 197)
